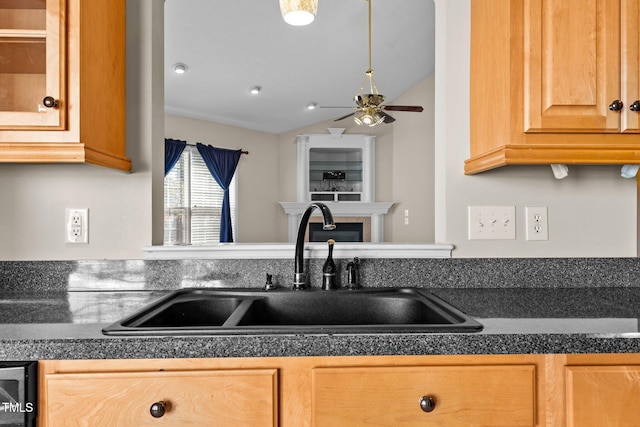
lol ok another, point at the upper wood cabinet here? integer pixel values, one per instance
(554, 82)
(32, 48)
(62, 82)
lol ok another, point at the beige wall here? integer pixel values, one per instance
(413, 177)
(592, 213)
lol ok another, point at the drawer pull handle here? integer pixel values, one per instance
(158, 409)
(616, 105)
(427, 403)
(50, 102)
(635, 106)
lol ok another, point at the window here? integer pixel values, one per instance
(193, 202)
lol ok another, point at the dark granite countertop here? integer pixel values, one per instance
(67, 325)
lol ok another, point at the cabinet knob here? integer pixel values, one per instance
(616, 105)
(635, 106)
(50, 102)
(427, 403)
(158, 409)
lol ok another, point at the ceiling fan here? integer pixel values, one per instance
(370, 108)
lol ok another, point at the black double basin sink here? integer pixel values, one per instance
(203, 311)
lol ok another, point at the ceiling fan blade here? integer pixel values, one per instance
(334, 106)
(414, 108)
(344, 117)
(387, 118)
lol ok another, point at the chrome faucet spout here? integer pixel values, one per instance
(300, 278)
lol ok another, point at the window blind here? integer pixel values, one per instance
(193, 202)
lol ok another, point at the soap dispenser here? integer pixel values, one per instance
(329, 270)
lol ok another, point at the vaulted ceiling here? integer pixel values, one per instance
(230, 46)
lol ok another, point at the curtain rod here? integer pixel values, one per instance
(241, 150)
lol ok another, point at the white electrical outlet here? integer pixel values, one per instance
(537, 223)
(76, 225)
(492, 222)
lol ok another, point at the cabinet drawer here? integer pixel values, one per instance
(603, 396)
(390, 396)
(196, 398)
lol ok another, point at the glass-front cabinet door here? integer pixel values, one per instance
(32, 65)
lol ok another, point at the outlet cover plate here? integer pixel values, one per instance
(76, 226)
(537, 220)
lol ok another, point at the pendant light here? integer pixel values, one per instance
(298, 12)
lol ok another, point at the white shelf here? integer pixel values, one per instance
(352, 154)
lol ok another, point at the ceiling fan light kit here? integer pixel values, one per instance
(298, 12)
(368, 117)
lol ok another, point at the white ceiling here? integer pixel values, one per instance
(230, 45)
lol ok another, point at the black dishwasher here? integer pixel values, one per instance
(18, 394)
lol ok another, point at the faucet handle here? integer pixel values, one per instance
(269, 285)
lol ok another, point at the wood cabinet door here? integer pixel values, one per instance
(571, 65)
(599, 396)
(630, 41)
(32, 49)
(192, 398)
(464, 396)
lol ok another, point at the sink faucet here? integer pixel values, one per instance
(299, 279)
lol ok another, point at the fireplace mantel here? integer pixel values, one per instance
(373, 210)
(349, 156)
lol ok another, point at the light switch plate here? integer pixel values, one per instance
(492, 222)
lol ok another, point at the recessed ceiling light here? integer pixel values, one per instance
(179, 68)
(312, 106)
(254, 90)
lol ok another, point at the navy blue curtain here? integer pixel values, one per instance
(222, 164)
(173, 148)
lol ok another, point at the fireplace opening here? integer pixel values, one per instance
(344, 232)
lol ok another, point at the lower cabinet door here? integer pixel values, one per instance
(452, 396)
(162, 398)
(601, 396)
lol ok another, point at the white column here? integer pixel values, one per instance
(294, 223)
(368, 172)
(377, 228)
(303, 168)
